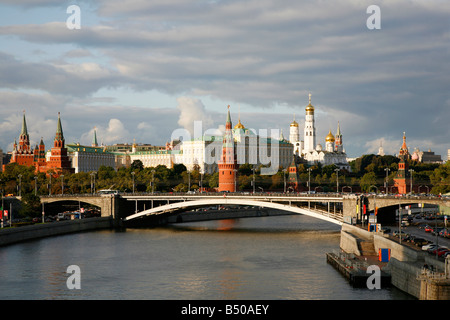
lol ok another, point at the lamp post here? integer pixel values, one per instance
(62, 184)
(337, 180)
(253, 169)
(411, 179)
(153, 181)
(189, 181)
(309, 180)
(386, 183)
(50, 184)
(20, 185)
(284, 177)
(93, 185)
(132, 174)
(35, 185)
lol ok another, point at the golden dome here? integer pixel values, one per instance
(239, 125)
(309, 107)
(294, 124)
(329, 137)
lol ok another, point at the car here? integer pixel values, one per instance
(428, 228)
(442, 251)
(429, 246)
(439, 251)
(385, 230)
(420, 242)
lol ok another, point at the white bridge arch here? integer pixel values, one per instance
(336, 219)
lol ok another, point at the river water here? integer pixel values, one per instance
(276, 258)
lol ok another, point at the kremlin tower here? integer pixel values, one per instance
(59, 160)
(228, 165)
(402, 173)
(22, 153)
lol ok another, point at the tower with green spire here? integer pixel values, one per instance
(94, 139)
(228, 165)
(24, 138)
(59, 137)
(59, 160)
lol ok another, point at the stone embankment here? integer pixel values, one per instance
(36, 231)
(405, 265)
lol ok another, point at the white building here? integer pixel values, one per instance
(86, 159)
(334, 152)
(205, 152)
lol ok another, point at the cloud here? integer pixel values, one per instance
(264, 54)
(191, 111)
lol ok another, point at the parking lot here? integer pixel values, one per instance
(417, 229)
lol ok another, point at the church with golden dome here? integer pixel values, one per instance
(313, 153)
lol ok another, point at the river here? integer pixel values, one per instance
(276, 258)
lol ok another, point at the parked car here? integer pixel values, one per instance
(440, 251)
(428, 228)
(429, 246)
(385, 230)
(420, 242)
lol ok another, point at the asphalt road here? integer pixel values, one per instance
(416, 228)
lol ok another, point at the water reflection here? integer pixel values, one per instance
(253, 258)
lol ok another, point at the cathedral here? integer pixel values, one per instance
(309, 151)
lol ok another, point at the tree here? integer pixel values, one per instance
(368, 180)
(31, 206)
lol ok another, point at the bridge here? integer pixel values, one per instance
(332, 207)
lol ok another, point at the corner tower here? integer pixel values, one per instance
(228, 163)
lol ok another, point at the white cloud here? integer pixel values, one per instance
(191, 111)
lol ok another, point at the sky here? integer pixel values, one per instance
(137, 70)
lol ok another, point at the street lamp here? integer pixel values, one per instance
(153, 182)
(189, 181)
(92, 185)
(62, 184)
(386, 183)
(284, 177)
(337, 180)
(20, 185)
(309, 180)
(50, 184)
(35, 185)
(411, 179)
(253, 169)
(132, 174)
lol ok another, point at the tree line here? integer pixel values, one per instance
(368, 174)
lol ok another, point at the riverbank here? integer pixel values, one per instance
(36, 231)
(405, 265)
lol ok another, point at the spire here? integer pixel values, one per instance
(24, 125)
(338, 130)
(94, 139)
(59, 137)
(59, 128)
(310, 98)
(228, 123)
